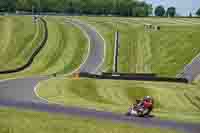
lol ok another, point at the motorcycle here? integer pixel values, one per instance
(138, 110)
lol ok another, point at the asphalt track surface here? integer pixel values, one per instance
(192, 70)
(20, 93)
(96, 55)
(89, 113)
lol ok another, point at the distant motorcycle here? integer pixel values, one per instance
(139, 110)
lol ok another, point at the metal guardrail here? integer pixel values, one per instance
(140, 77)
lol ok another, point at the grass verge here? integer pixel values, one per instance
(19, 39)
(19, 121)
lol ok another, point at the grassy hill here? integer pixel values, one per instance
(18, 39)
(172, 101)
(64, 51)
(165, 52)
(161, 52)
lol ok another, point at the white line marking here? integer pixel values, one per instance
(42, 99)
(88, 51)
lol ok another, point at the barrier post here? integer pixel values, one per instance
(116, 52)
(76, 76)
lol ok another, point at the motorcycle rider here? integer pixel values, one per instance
(142, 107)
(146, 102)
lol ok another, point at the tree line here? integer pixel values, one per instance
(113, 7)
(170, 12)
(96, 7)
(198, 12)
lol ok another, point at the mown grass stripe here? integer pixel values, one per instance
(30, 60)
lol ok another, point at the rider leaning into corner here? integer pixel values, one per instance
(142, 107)
(146, 102)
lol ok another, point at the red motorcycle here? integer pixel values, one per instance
(139, 109)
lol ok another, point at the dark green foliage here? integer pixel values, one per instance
(160, 11)
(7, 5)
(190, 15)
(97, 7)
(171, 11)
(198, 12)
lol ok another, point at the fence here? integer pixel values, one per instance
(140, 77)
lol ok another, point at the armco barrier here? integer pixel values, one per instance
(135, 77)
(30, 61)
(131, 74)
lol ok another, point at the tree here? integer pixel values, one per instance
(3, 5)
(171, 11)
(190, 14)
(198, 12)
(150, 9)
(159, 11)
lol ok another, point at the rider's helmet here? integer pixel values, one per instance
(148, 98)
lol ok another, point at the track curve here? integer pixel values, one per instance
(23, 89)
(96, 55)
(20, 92)
(20, 89)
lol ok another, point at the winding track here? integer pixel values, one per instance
(23, 89)
(97, 53)
(20, 92)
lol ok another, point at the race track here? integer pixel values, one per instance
(20, 89)
(97, 45)
(192, 70)
(73, 111)
(23, 89)
(20, 92)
